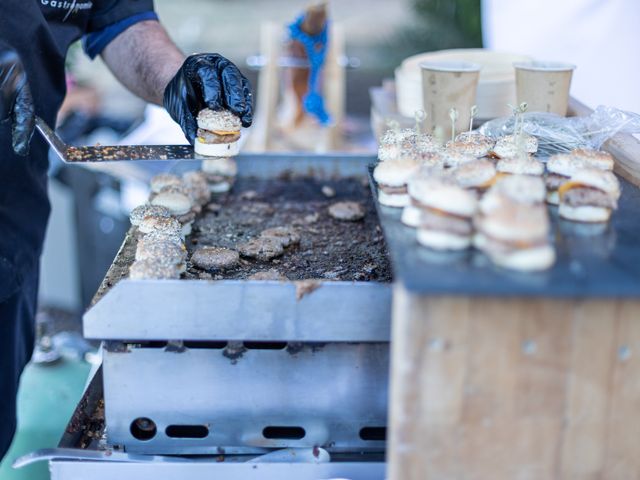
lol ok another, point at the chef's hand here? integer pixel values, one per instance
(16, 104)
(207, 80)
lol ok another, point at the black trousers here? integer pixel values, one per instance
(17, 325)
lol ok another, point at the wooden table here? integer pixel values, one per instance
(521, 384)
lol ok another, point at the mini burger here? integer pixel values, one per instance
(520, 165)
(511, 145)
(164, 180)
(561, 166)
(179, 204)
(147, 210)
(446, 212)
(392, 178)
(221, 173)
(392, 142)
(515, 236)
(455, 158)
(472, 143)
(196, 183)
(589, 196)
(594, 158)
(218, 133)
(477, 176)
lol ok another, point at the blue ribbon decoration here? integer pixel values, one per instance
(315, 47)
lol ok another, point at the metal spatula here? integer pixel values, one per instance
(113, 153)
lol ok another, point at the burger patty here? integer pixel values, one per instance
(207, 136)
(433, 220)
(585, 196)
(553, 180)
(393, 190)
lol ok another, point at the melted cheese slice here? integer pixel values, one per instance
(566, 186)
(218, 132)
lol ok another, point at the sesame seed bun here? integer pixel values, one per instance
(522, 189)
(520, 166)
(443, 194)
(594, 158)
(147, 210)
(221, 166)
(153, 248)
(526, 259)
(515, 223)
(216, 149)
(393, 200)
(218, 120)
(177, 203)
(455, 158)
(508, 146)
(584, 213)
(167, 225)
(441, 240)
(395, 173)
(472, 143)
(476, 174)
(565, 164)
(411, 216)
(155, 269)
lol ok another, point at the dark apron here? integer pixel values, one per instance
(41, 31)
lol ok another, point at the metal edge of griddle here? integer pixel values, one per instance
(242, 310)
(582, 270)
(84, 414)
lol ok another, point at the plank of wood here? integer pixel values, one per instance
(623, 426)
(495, 388)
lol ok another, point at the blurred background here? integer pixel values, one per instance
(91, 206)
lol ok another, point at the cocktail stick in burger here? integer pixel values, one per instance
(446, 212)
(218, 133)
(392, 178)
(589, 196)
(561, 166)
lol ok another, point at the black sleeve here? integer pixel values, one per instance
(108, 12)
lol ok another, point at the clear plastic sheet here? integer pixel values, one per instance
(558, 134)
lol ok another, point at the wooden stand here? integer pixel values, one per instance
(490, 388)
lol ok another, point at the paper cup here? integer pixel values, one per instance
(544, 86)
(447, 85)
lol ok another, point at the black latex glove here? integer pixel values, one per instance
(207, 80)
(16, 103)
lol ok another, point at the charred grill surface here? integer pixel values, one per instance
(328, 249)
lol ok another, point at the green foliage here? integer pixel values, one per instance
(439, 25)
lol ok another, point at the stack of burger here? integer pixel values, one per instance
(512, 224)
(217, 137)
(589, 195)
(444, 211)
(562, 166)
(163, 223)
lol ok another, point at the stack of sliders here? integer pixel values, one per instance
(392, 177)
(589, 195)
(163, 223)
(512, 224)
(218, 136)
(562, 166)
(444, 211)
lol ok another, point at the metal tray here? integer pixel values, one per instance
(316, 310)
(591, 261)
